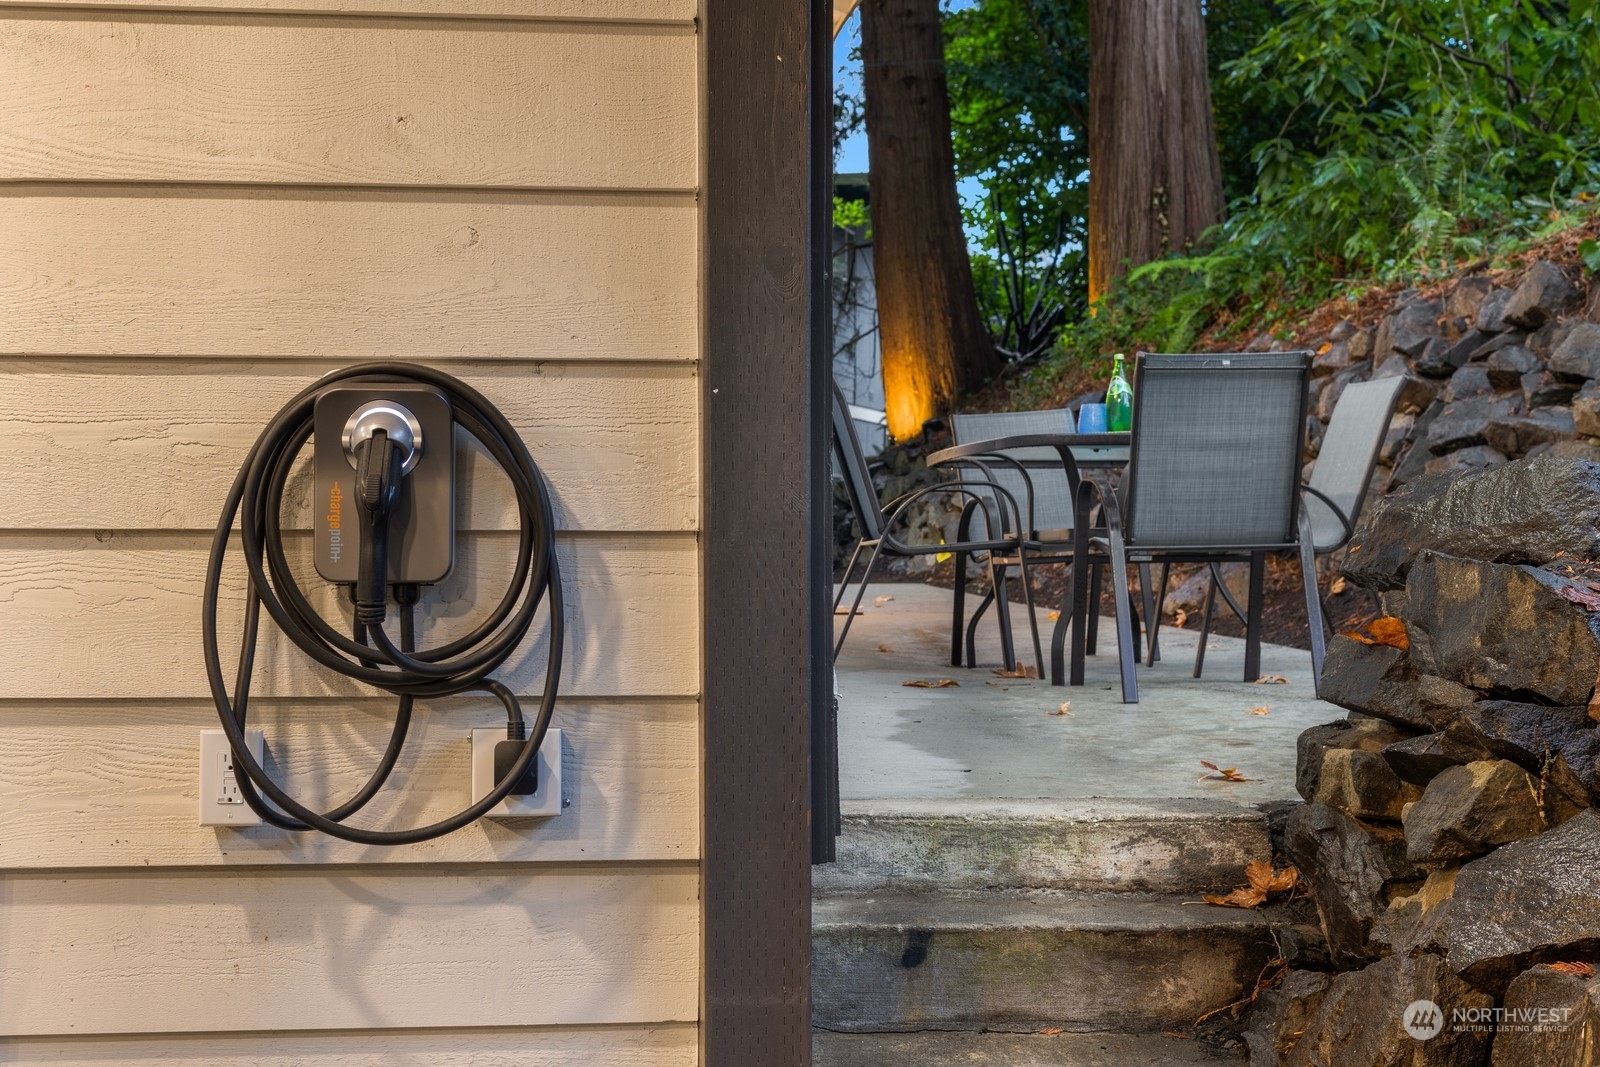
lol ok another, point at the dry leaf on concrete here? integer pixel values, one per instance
(1065, 709)
(885, 648)
(1222, 774)
(880, 601)
(922, 683)
(1271, 679)
(1023, 671)
(1052, 1031)
(1179, 618)
(1264, 882)
(1261, 710)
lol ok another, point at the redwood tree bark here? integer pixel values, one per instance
(1155, 183)
(933, 340)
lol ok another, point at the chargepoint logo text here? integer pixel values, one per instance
(335, 534)
(1424, 1019)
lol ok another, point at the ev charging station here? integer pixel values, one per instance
(383, 448)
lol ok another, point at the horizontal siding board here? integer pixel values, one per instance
(605, 1046)
(124, 97)
(680, 12)
(82, 618)
(114, 784)
(619, 446)
(299, 949)
(212, 272)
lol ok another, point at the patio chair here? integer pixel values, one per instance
(1002, 518)
(1047, 495)
(1213, 476)
(1337, 489)
(1047, 514)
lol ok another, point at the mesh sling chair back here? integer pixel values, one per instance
(1003, 517)
(1337, 490)
(1044, 495)
(1213, 474)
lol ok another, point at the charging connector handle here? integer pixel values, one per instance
(460, 666)
(378, 464)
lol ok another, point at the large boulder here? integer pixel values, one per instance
(1341, 765)
(1501, 628)
(1543, 294)
(1362, 1019)
(1421, 759)
(1477, 807)
(1464, 423)
(1350, 867)
(1380, 680)
(1516, 434)
(1281, 1014)
(1533, 736)
(1533, 511)
(1533, 901)
(1578, 355)
(1552, 1019)
(1415, 921)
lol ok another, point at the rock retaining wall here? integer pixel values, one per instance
(1450, 837)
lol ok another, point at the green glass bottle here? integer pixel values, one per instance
(1119, 399)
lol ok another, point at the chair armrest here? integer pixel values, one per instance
(1338, 513)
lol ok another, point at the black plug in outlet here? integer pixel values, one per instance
(506, 754)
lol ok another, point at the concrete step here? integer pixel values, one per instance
(967, 1049)
(1027, 959)
(1178, 846)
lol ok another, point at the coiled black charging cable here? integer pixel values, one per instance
(461, 666)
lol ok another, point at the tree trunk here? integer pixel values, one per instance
(933, 340)
(1155, 183)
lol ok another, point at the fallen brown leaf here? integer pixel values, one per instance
(1222, 774)
(1053, 616)
(942, 683)
(1260, 875)
(1179, 618)
(885, 648)
(1065, 709)
(1271, 679)
(1261, 710)
(1023, 671)
(1338, 586)
(1243, 897)
(880, 601)
(1389, 631)
(1052, 1031)
(1582, 970)
(845, 611)
(1587, 599)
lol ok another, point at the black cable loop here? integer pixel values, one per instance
(460, 666)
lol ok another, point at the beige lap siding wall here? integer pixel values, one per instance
(200, 212)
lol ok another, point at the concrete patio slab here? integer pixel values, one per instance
(993, 737)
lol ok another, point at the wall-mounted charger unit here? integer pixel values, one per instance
(383, 530)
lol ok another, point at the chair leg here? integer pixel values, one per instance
(1033, 617)
(1148, 594)
(844, 582)
(1205, 625)
(1159, 612)
(1308, 565)
(972, 628)
(1091, 631)
(1058, 635)
(1252, 623)
(861, 590)
(957, 609)
(1127, 647)
(1002, 607)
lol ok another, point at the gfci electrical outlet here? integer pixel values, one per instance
(544, 801)
(221, 803)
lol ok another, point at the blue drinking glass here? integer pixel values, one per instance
(1092, 418)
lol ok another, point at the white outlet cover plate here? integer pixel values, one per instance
(545, 801)
(220, 801)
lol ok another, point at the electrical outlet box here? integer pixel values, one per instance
(543, 802)
(221, 803)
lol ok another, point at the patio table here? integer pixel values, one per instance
(1093, 455)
